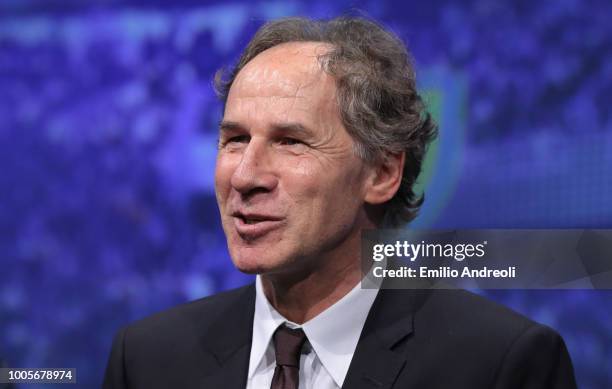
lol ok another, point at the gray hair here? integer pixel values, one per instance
(376, 90)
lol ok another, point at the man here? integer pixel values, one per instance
(323, 135)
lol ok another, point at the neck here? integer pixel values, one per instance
(303, 299)
(300, 296)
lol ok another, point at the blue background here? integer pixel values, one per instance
(107, 148)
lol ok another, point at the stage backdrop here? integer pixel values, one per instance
(108, 125)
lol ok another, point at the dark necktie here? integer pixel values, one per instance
(287, 346)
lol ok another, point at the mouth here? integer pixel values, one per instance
(251, 226)
(253, 219)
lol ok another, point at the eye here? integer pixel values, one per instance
(234, 140)
(290, 141)
(238, 139)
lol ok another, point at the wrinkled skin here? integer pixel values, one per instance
(287, 163)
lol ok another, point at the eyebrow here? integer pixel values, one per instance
(293, 128)
(225, 126)
(290, 127)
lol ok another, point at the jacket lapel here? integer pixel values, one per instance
(229, 341)
(378, 359)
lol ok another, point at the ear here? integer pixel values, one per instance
(385, 179)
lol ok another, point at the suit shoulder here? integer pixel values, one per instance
(476, 318)
(170, 348)
(481, 341)
(194, 314)
(465, 305)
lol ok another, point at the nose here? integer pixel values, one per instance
(254, 172)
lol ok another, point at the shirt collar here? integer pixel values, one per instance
(265, 322)
(333, 334)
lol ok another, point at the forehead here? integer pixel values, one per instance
(289, 70)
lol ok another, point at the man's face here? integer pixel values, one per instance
(289, 185)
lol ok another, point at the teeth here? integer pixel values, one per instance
(251, 221)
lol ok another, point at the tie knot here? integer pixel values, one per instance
(288, 345)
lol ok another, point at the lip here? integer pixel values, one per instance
(263, 226)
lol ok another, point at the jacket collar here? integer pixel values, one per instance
(377, 362)
(228, 339)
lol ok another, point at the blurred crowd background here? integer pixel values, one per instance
(108, 126)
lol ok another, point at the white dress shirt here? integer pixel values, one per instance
(332, 339)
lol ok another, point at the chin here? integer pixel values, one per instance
(253, 270)
(259, 261)
(251, 262)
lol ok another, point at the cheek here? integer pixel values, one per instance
(344, 196)
(304, 181)
(324, 191)
(223, 174)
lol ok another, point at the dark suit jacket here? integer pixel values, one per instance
(4, 386)
(411, 339)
